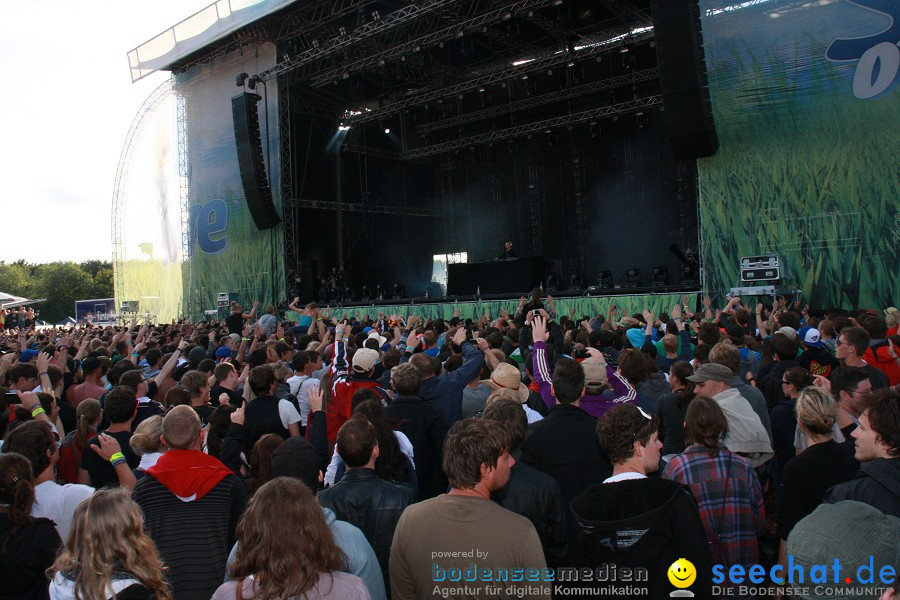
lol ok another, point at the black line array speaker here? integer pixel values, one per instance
(250, 159)
(682, 74)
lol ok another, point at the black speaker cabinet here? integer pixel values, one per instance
(250, 159)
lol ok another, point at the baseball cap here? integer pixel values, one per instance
(235, 337)
(222, 352)
(850, 532)
(890, 310)
(810, 336)
(788, 331)
(364, 360)
(594, 371)
(28, 354)
(712, 372)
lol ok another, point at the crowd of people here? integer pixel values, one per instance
(337, 456)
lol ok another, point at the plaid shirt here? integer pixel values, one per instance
(737, 517)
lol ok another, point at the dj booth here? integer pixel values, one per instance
(510, 276)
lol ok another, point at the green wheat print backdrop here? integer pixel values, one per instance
(807, 111)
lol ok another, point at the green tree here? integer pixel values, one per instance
(61, 283)
(15, 278)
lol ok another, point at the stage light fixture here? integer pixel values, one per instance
(632, 277)
(576, 281)
(365, 294)
(379, 291)
(551, 282)
(399, 291)
(240, 79)
(387, 129)
(604, 279)
(660, 276)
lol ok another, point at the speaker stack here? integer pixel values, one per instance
(682, 74)
(250, 159)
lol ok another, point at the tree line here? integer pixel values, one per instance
(61, 283)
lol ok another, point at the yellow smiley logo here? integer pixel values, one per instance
(682, 573)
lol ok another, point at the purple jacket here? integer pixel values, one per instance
(596, 406)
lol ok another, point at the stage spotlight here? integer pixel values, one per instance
(387, 129)
(689, 274)
(604, 279)
(379, 292)
(660, 276)
(576, 281)
(399, 291)
(240, 79)
(365, 294)
(632, 278)
(595, 130)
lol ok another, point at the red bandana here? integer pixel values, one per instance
(189, 474)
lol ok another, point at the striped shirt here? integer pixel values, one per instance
(193, 538)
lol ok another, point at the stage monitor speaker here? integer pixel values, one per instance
(250, 160)
(682, 74)
(308, 286)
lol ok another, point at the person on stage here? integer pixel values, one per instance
(507, 252)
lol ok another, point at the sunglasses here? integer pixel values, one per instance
(644, 419)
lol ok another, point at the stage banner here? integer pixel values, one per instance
(228, 254)
(808, 115)
(149, 268)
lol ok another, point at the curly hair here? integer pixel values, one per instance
(284, 566)
(620, 428)
(107, 529)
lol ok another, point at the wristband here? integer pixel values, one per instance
(116, 456)
(38, 411)
(43, 373)
(117, 462)
(245, 339)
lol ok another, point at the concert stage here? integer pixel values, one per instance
(386, 137)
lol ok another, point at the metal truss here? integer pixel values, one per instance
(564, 94)
(604, 111)
(603, 43)
(184, 187)
(366, 208)
(312, 16)
(123, 170)
(390, 22)
(627, 9)
(287, 182)
(432, 38)
(369, 151)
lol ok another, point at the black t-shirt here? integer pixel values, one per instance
(235, 323)
(26, 558)
(877, 377)
(235, 399)
(101, 471)
(204, 412)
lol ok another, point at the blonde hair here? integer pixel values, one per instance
(146, 438)
(817, 410)
(108, 528)
(282, 372)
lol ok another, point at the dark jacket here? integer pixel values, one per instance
(537, 497)
(877, 484)
(770, 383)
(426, 429)
(261, 416)
(564, 446)
(445, 392)
(644, 523)
(373, 504)
(650, 390)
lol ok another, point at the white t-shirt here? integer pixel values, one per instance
(58, 502)
(288, 413)
(300, 385)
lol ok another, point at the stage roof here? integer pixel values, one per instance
(196, 32)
